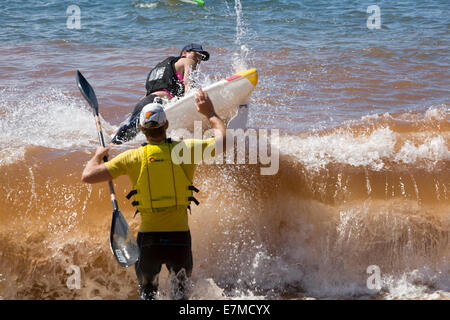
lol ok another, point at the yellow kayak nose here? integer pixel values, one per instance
(250, 74)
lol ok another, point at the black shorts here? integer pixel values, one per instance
(157, 248)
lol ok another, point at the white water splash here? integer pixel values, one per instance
(50, 119)
(373, 150)
(315, 152)
(434, 149)
(239, 58)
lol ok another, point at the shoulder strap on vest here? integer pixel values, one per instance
(188, 184)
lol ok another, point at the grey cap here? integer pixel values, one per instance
(152, 116)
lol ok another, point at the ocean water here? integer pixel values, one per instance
(363, 115)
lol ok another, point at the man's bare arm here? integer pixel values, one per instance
(95, 170)
(204, 106)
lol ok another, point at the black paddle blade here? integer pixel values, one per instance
(123, 245)
(87, 91)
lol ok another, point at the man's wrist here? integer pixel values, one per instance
(98, 159)
(211, 114)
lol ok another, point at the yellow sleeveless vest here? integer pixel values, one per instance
(161, 185)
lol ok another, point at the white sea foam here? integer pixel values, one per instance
(372, 151)
(440, 112)
(145, 5)
(315, 152)
(416, 284)
(52, 120)
(11, 155)
(434, 149)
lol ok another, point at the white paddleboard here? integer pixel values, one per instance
(226, 95)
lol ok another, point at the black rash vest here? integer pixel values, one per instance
(164, 77)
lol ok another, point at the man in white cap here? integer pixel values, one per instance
(162, 190)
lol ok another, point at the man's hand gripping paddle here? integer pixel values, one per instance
(123, 245)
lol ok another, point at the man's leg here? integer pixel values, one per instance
(147, 268)
(130, 129)
(180, 266)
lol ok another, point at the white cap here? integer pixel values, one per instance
(152, 116)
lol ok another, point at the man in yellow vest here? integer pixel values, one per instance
(161, 173)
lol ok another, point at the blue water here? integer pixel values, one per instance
(319, 25)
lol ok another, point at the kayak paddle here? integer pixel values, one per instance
(123, 245)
